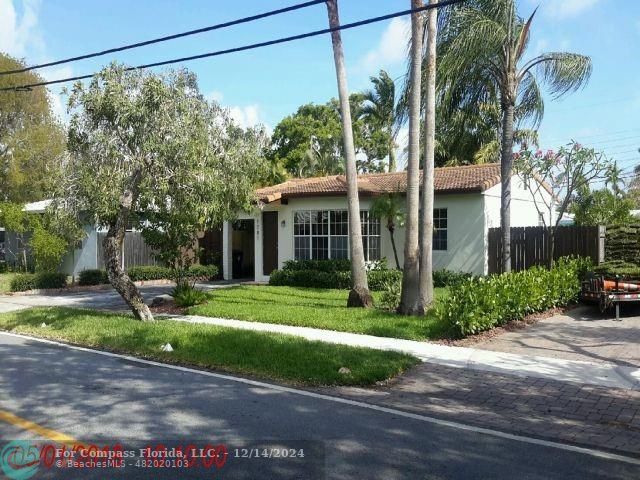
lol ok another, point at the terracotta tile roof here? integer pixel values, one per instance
(466, 179)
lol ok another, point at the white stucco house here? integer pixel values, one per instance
(307, 219)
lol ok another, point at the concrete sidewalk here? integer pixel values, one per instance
(591, 373)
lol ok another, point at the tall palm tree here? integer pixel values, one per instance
(426, 234)
(380, 110)
(410, 297)
(359, 296)
(482, 50)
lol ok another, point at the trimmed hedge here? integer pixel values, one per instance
(38, 281)
(337, 279)
(149, 272)
(318, 265)
(479, 304)
(448, 278)
(93, 277)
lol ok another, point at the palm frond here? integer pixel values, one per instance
(562, 72)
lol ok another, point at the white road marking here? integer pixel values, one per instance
(354, 403)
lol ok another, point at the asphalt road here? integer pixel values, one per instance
(104, 400)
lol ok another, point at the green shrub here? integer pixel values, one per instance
(390, 298)
(47, 250)
(157, 272)
(186, 295)
(448, 278)
(342, 265)
(379, 279)
(149, 272)
(331, 279)
(93, 277)
(203, 272)
(478, 304)
(42, 280)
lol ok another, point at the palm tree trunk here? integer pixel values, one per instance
(506, 164)
(392, 156)
(410, 298)
(426, 243)
(359, 296)
(393, 244)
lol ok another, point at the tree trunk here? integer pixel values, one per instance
(392, 156)
(426, 243)
(359, 296)
(112, 245)
(410, 298)
(552, 245)
(392, 230)
(506, 164)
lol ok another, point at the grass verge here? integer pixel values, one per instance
(273, 356)
(317, 308)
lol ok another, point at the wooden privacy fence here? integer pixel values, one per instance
(531, 245)
(136, 251)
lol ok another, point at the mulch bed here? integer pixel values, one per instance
(168, 308)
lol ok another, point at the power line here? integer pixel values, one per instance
(248, 47)
(210, 28)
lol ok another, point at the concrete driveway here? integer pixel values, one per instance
(580, 334)
(96, 299)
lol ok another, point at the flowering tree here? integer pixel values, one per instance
(562, 174)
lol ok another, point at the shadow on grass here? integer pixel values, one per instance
(276, 356)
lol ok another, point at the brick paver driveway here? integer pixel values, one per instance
(581, 334)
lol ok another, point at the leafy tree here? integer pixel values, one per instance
(148, 150)
(565, 172)
(390, 209)
(312, 128)
(482, 50)
(601, 207)
(15, 220)
(359, 296)
(634, 187)
(47, 249)
(32, 141)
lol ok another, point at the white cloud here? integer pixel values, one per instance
(568, 8)
(247, 116)
(392, 48)
(215, 95)
(18, 32)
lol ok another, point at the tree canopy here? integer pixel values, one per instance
(32, 140)
(148, 150)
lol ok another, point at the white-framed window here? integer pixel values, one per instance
(439, 228)
(324, 234)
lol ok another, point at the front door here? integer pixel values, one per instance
(269, 242)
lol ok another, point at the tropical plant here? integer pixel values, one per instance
(380, 112)
(410, 297)
(426, 225)
(150, 143)
(389, 208)
(359, 296)
(481, 52)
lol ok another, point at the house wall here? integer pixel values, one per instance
(83, 258)
(465, 232)
(469, 217)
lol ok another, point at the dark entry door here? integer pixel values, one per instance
(269, 242)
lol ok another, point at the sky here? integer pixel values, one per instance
(264, 85)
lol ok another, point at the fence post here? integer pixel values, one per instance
(602, 234)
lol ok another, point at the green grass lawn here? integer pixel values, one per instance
(5, 282)
(274, 356)
(309, 307)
